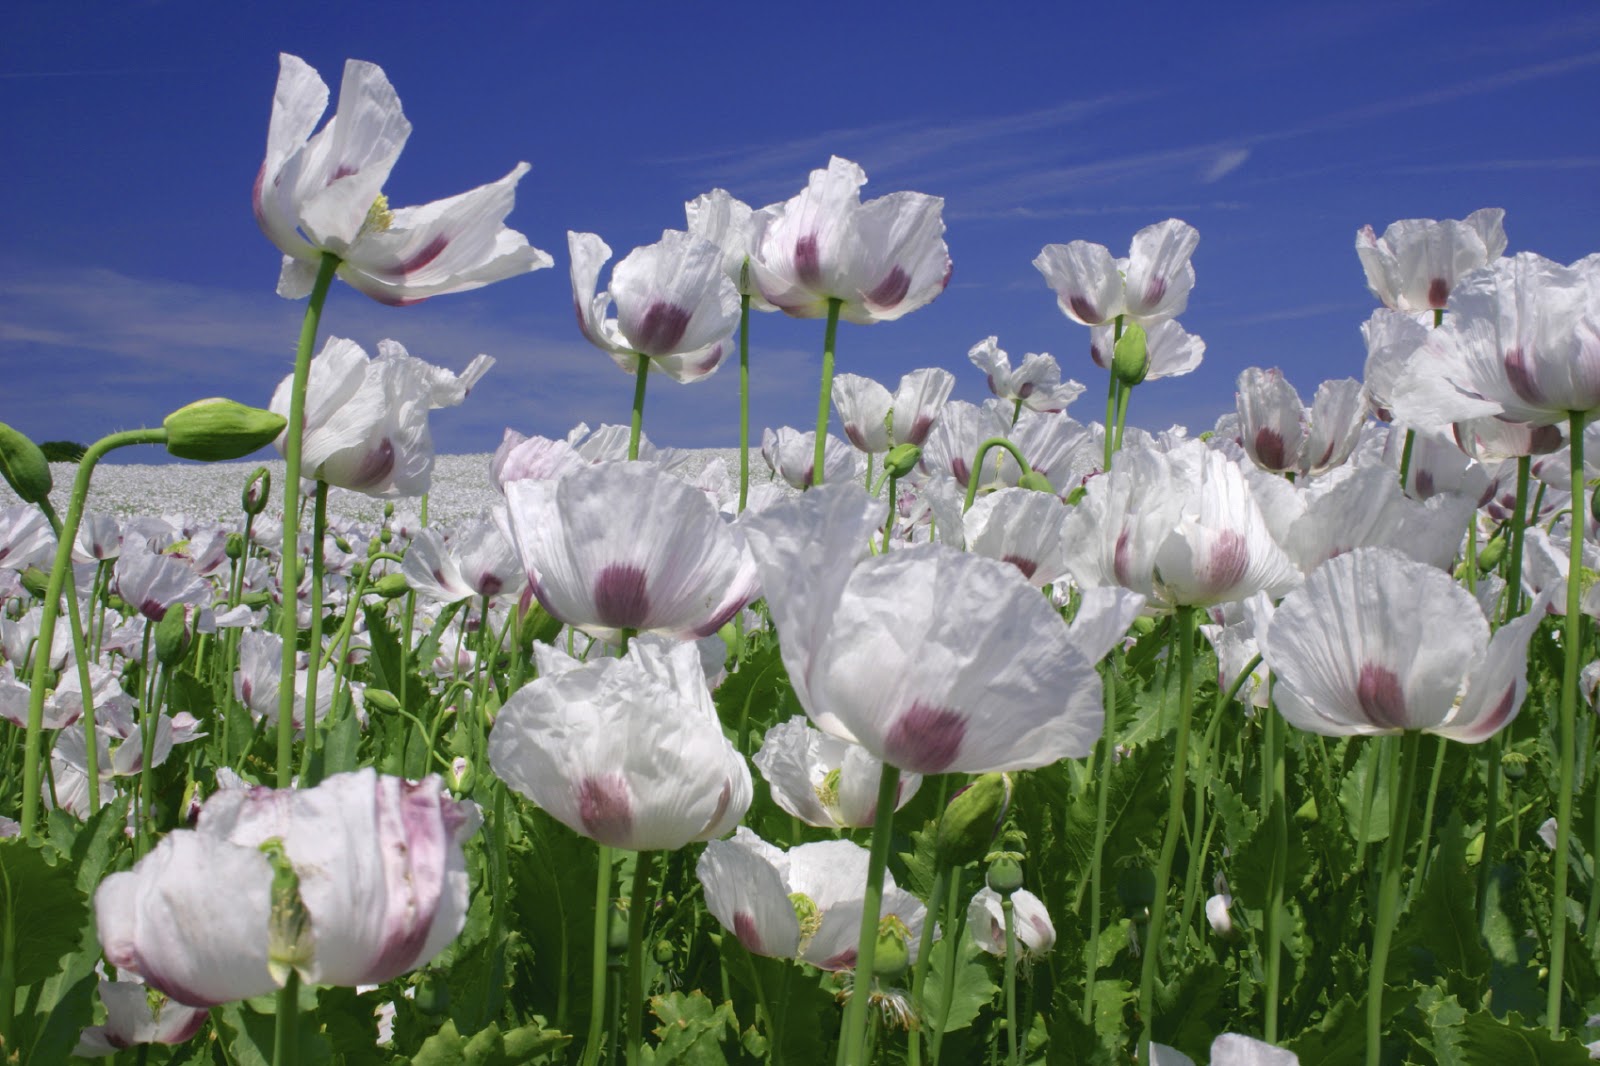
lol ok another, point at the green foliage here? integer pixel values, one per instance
(62, 451)
(973, 987)
(522, 1046)
(692, 1030)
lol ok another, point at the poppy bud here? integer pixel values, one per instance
(1514, 765)
(385, 537)
(663, 952)
(24, 466)
(218, 429)
(1037, 482)
(893, 953)
(731, 637)
(432, 995)
(1492, 553)
(1131, 359)
(233, 547)
(256, 491)
(343, 545)
(391, 586)
(1076, 496)
(460, 776)
(382, 699)
(972, 819)
(36, 581)
(902, 459)
(1004, 875)
(172, 636)
(1144, 625)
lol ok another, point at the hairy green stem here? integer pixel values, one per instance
(825, 392)
(1394, 850)
(289, 562)
(1169, 843)
(744, 400)
(285, 1049)
(319, 532)
(602, 918)
(636, 420)
(852, 1043)
(919, 973)
(637, 905)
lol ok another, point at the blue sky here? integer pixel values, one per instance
(133, 278)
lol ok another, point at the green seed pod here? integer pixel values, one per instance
(256, 491)
(1514, 765)
(902, 459)
(391, 586)
(1004, 875)
(24, 466)
(432, 996)
(172, 636)
(233, 547)
(972, 819)
(219, 429)
(1037, 482)
(1130, 361)
(893, 954)
(385, 537)
(663, 952)
(1492, 553)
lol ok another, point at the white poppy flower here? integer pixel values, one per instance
(1151, 285)
(1417, 262)
(822, 780)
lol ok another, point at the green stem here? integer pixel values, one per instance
(1108, 739)
(854, 1034)
(1571, 635)
(951, 945)
(638, 904)
(825, 393)
(636, 422)
(319, 532)
(1426, 831)
(919, 973)
(1394, 850)
(151, 719)
(1273, 786)
(1113, 396)
(1169, 844)
(1211, 743)
(1368, 792)
(83, 657)
(888, 521)
(977, 466)
(1519, 524)
(1009, 910)
(1122, 411)
(284, 1049)
(744, 400)
(602, 918)
(60, 572)
(1405, 456)
(289, 575)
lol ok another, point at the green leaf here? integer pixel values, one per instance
(692, 1030)
(1440, 929)
(249, 1036)
(1136, 806)
(1513, 950)
(1353, 789)
(489, 1046)
(1188, 1014)
(44, 910)
(802, 1014)
(1487, 1041)
(1444, 1016)
(973, 988)
(751, 695)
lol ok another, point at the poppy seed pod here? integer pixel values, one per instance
(893, 954)
(218, 429)
(902, 459)
(36, 581)
(1004, 875)
(24, 466)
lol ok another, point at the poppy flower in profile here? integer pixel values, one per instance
(628, 752)
(674, 305)
(322, 192)
(1151, 285)
(876, 420)
(1279, 435)
(1036, 383)
(822, 780)
(1415, 265)
(881, 259)
(622, 546)
(1376, 642)
(792, 456)
(932, 659)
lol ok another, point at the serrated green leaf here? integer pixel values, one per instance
(802, 1013)
(249, 1036)
(692, 1029)
(973, 988)
(1352, 790)
(43, 910)
(1444, 1016)
(1488, 1041)
(1189, 1011)
(1440, 929)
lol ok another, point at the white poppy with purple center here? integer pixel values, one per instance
(1036, 384)
(1151, 285)
(875, 421)
(1417, 262)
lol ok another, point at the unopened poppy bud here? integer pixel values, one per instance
(1130, 360)
(36, 581)
(893, 954)
(343, 545)
(1144, 625)
(24, 466)
(972, 819)
(732, 638)
(382, 699)
(1004, 875)
(432, 995)
(460, 774)
(233, 546)
(1492, 553)
(256, 599)
(388, 509)
(172, 636)
(391, 586)
(385, 537)
(617, 928)
(218, 429)
(256, 491)
(1037, 482)
(663, 952)
(113, 601)
(902, 459)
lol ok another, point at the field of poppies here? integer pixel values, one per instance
(984, 734)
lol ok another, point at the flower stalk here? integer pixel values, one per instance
(853, 1036)
(825, 395)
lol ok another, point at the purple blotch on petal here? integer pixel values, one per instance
(422, 256)
(1438, 292)
(1083, 308)
(960, 471)
(1492, 722)
(744, 927)
(918, 434)
(891, 290)
(621, 599)
(807, 261)
(1154, 291)
(1121, 559)
(154, 610)
(1381, 697)
(343, 170)
(1519, 373)
(375, 468)
(1270, 449)
(605, 809)
(1226, 564)
(1423, 484)
(662, 327)
(925, 739)
(1027, 566)
(489, 584)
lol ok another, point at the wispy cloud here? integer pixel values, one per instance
(1224, 164)
(1563, 163)
(1295, 314)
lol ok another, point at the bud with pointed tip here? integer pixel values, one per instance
(343, 545)
(1130, 361)
(24, 466)
(36, 581)
(256, 491)
(233, 546)
(391, 586)
(172, 636)
(902, 459)
(1037, 482)
(219, 429)
(972, 819)
(382, 699)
